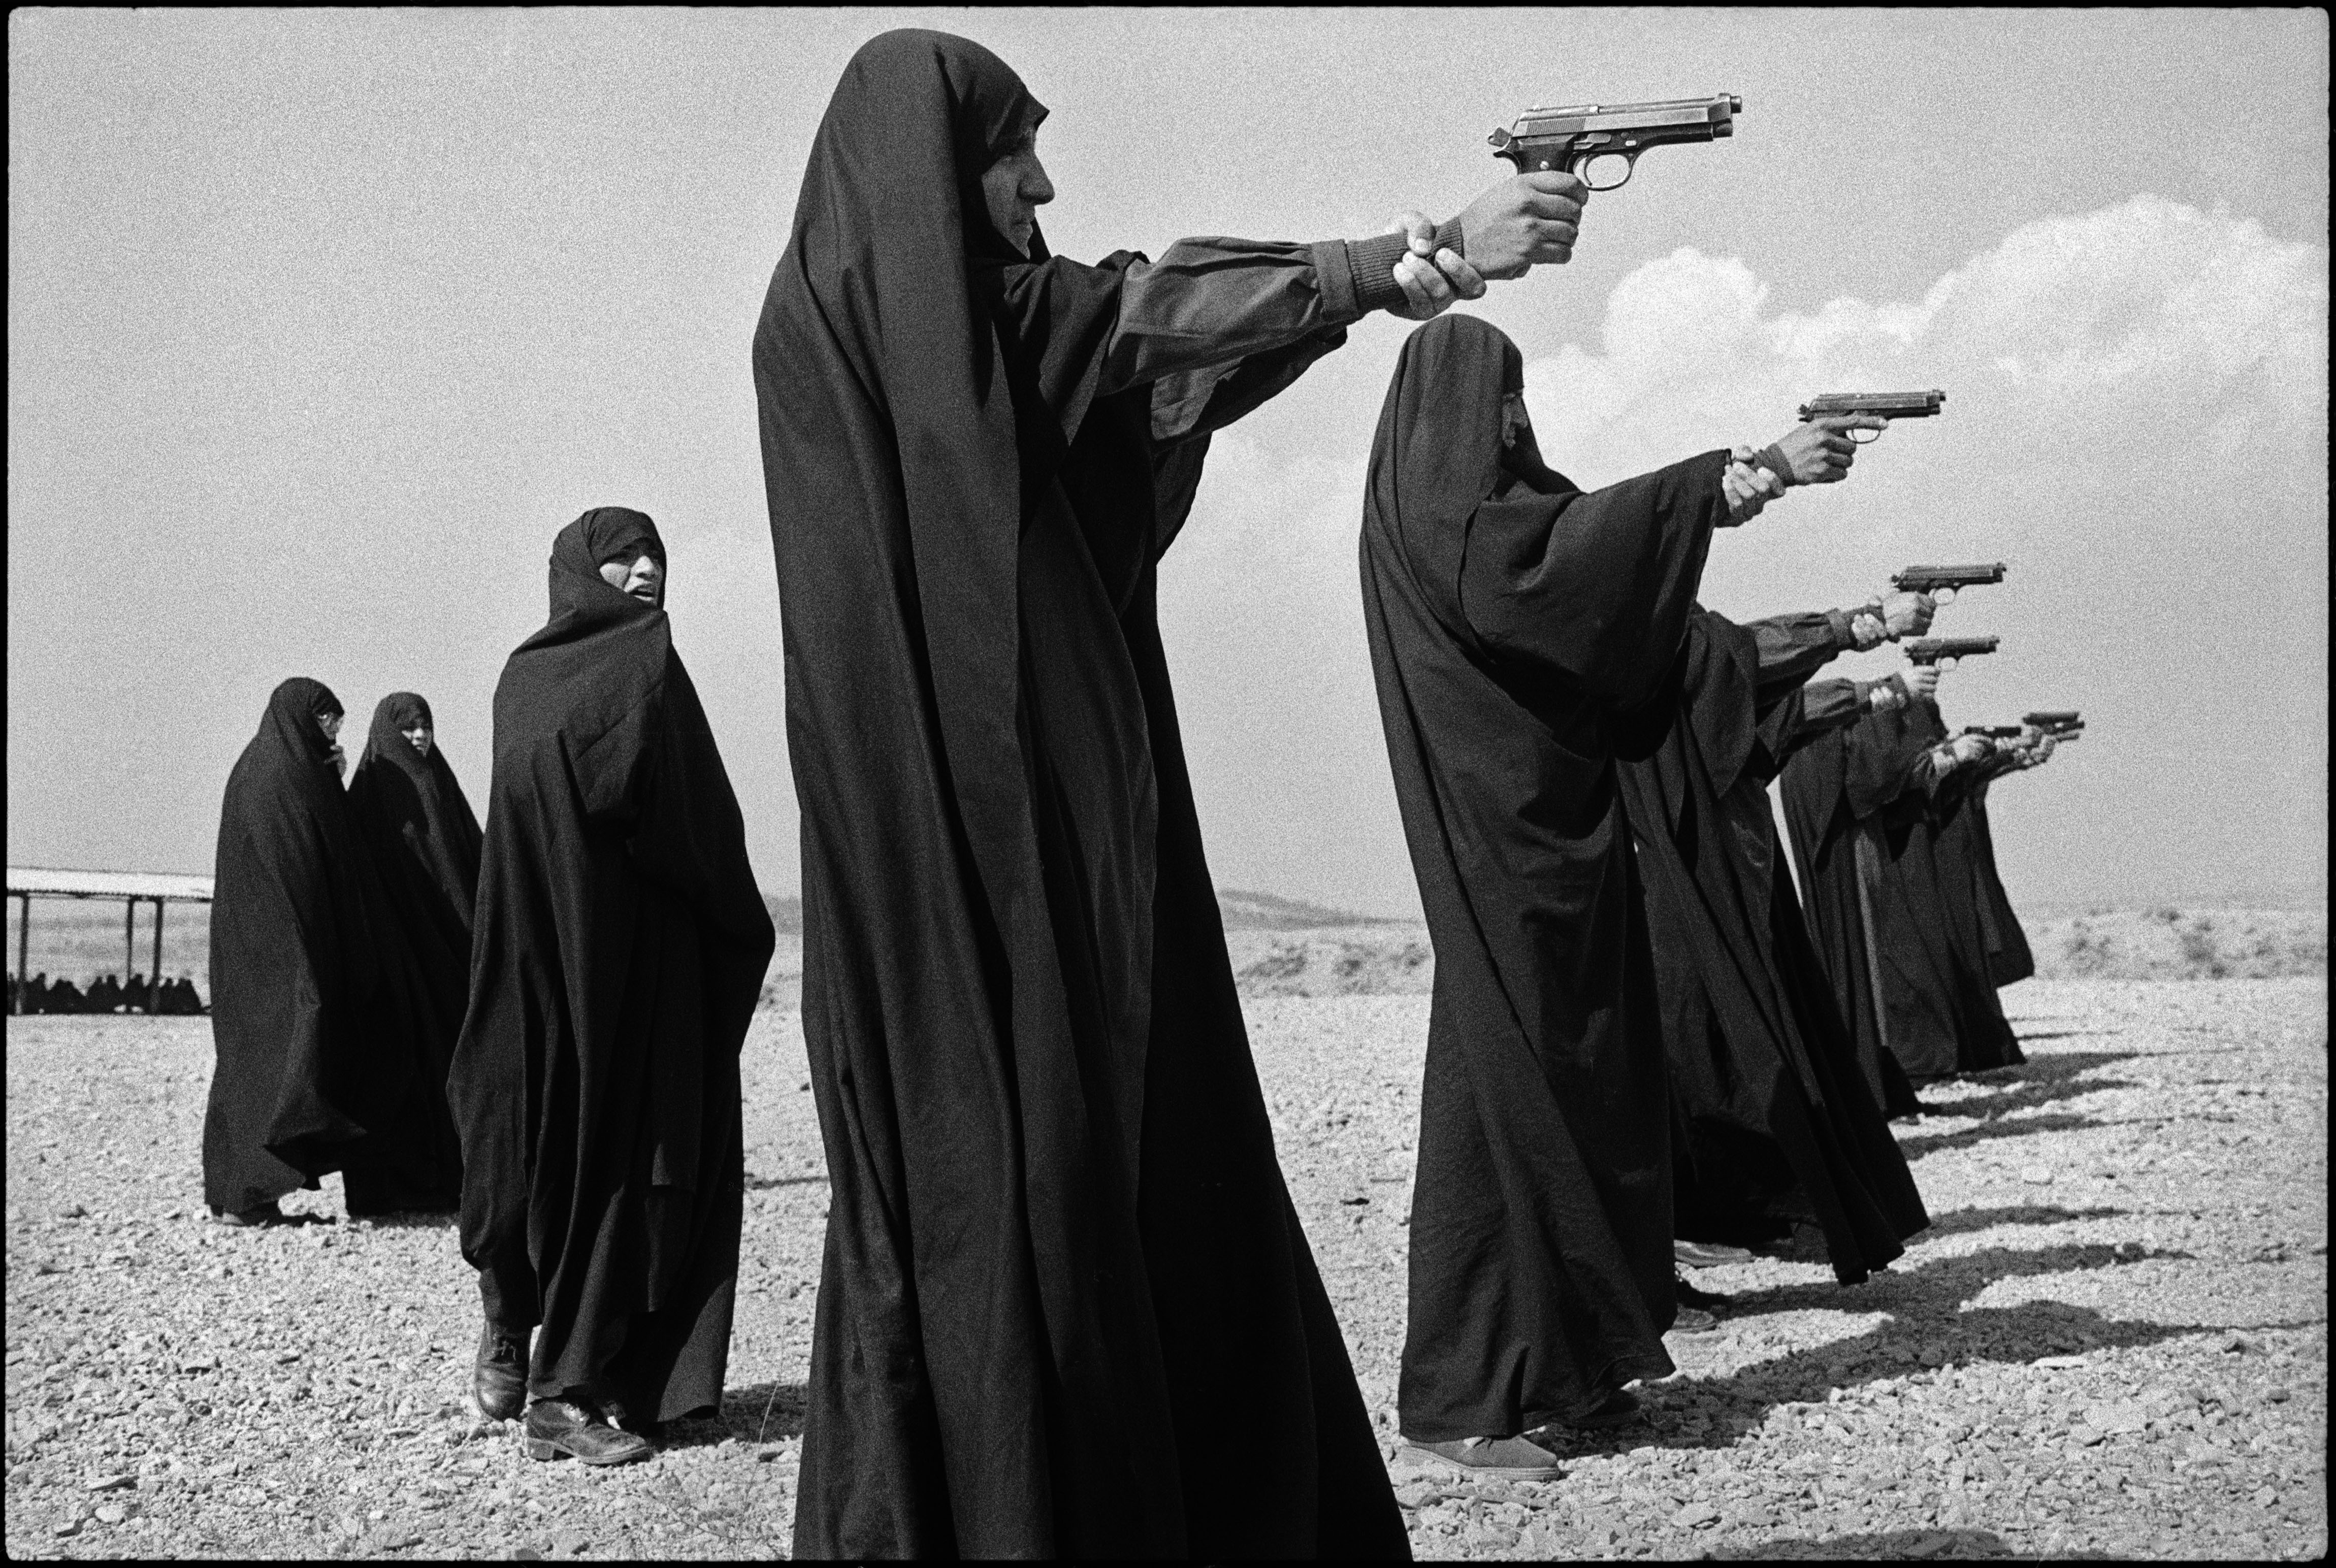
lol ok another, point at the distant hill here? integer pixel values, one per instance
(1270, 912)
(1243, 911)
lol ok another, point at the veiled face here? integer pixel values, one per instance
(1514, 420)
(330, 723)
(418, 737)
(643, 577)
(1014, 188)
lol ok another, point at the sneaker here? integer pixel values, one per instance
(555, 1427)
(1506, 1458)
(499, 1373)
(1706, 1254)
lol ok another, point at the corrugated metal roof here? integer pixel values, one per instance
(108, 884)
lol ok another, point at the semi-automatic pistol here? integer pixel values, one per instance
(1888, 404)
(1574, 138)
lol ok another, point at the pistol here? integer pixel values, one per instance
(1888, 404)
(1573, 139)
(2060, 722)
(1995, 731)
(1934, 649)
(1943, 582)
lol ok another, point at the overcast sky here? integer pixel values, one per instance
(322, 324)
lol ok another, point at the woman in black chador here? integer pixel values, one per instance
(1966, 853)
(1772, 1121)
(417, 826)
(620, 949)
(1901, 943)
(307, 978)
(1524, 634)
(1064, 1283)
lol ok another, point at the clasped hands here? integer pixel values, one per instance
(1815, 452)
(1891, 615)
(1522, 223)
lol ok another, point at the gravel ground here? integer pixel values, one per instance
(2113, 1340)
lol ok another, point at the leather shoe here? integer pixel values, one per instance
(573, 1426)
(1693, 1321)
(499, 1374)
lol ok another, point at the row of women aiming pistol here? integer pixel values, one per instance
(1064, 1287)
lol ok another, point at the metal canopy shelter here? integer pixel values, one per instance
(26, 883)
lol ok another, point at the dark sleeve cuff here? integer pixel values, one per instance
(1334, 276)
(1371, 266)
(1772, 458)
(1838, 619)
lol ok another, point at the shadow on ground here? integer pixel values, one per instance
(1965, 1222)
(413, 1219)
(1914, 1145)
(2040, 1081)
(1928, 1327)
(756, 1413)
(1917, 1544)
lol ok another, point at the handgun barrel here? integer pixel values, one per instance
(1918, 577)
(1931, 649)
(1890, 404)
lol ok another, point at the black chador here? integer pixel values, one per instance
(1772, 1121)
(414, 822)
(1863, 806)
(1064, 1280)
(307, 977)
(1966, 848)
(1521, 632)
(620, 949)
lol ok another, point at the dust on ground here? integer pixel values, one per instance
(2113, 1339)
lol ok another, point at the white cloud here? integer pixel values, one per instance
(2137, 325)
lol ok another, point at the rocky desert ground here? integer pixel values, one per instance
(2112, 1341)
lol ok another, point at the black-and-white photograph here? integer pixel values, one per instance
(848, 784)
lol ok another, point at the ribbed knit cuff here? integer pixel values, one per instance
(1839, 619)
(1372, 264)
(1772, 459)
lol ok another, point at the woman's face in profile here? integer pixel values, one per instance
(1014, 189)
(1514, 420)
(418, 737)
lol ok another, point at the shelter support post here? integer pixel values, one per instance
(154, 975)
(23, 947)
(129, 939)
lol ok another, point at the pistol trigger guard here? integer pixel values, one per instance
(1863, 437)
(1578, 165)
